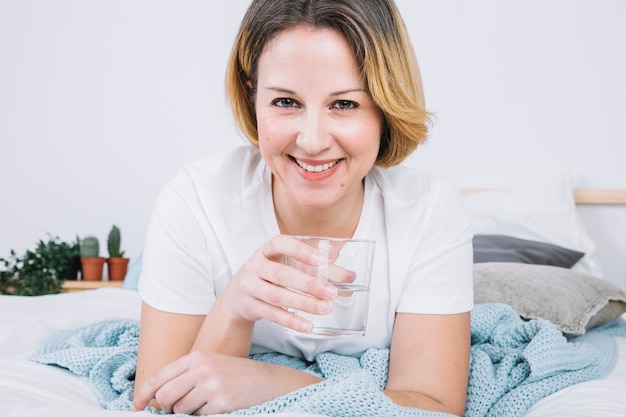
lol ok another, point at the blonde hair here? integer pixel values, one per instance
(376, 32)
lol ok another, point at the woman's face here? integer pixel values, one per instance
(319, 129)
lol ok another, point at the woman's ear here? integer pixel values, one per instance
(249, 84)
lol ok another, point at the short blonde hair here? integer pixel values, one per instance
(376, 32)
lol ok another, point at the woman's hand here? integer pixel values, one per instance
(210, 383)
(265, 287)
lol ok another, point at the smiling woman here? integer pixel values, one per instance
(376, 34)
(498, 76)
(329, 95)
(318, 139)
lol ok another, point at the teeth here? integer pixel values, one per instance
(316, 168)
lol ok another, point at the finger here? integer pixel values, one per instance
(283, 317)
(337, 273)
(281, 246)
(205, 410)
(287, 250)
(270, 301)
(297, 298)
(191, 401)
(156, 380)
(173, 396)
(311, 282)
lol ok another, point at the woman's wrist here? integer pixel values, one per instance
(224, 331)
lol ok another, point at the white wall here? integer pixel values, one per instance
(102, 100)
(100, 103)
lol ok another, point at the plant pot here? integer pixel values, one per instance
(70, 272)
(117, 268)
(92, 268)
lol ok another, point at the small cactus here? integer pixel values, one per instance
(90, 247)
(113, 243)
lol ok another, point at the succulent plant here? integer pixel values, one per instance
(113, 243)
(89, 247)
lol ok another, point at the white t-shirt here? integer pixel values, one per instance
(216, 212)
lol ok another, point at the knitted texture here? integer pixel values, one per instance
(514, 363)
(105, 352)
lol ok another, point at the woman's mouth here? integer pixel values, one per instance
(316, 168)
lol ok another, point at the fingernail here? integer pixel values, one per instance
(330, 291)
(323, 307)
(306, 327)
(316, 258)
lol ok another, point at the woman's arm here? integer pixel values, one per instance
(429, 361)
(201, 382)
(208, 383)
(163, 338)
(173, 346)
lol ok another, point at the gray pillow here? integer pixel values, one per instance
(573, 301)
(503, 248)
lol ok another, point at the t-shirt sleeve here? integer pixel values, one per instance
(177, 274)
(440, 279)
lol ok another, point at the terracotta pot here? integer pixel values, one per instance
(117, 268)
(92, 268)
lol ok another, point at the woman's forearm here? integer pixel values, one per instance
(220, 384)
(224, 333)
(419, 400)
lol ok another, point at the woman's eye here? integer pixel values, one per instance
(285, 102)
(345, 105)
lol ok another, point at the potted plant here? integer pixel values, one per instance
(67, 254)
(117, 264)
(91, 262)
(39, 271)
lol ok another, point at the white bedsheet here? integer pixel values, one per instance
(28, 389)
(602, 398)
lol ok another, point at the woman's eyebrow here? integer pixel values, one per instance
(280, 90)
(350, 90)
(333, 94)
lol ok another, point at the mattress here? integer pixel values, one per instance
(31, 389)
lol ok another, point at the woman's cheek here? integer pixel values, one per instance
(275, 129)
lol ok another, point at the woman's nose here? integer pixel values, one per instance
(313, 134)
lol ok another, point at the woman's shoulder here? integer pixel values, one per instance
(405, 185)
(225, 172)
(235, 162)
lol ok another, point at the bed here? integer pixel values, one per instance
(523, 218)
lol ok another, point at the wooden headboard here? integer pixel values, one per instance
(599, 196)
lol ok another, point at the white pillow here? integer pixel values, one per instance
(541, 209)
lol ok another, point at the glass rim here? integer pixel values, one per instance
(332, 239)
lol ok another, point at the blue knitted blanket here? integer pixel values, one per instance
(514, 363)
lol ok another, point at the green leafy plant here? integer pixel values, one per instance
(42, 270)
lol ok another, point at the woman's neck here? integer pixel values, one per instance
(339, 220)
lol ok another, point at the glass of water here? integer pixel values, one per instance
(347, 264)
